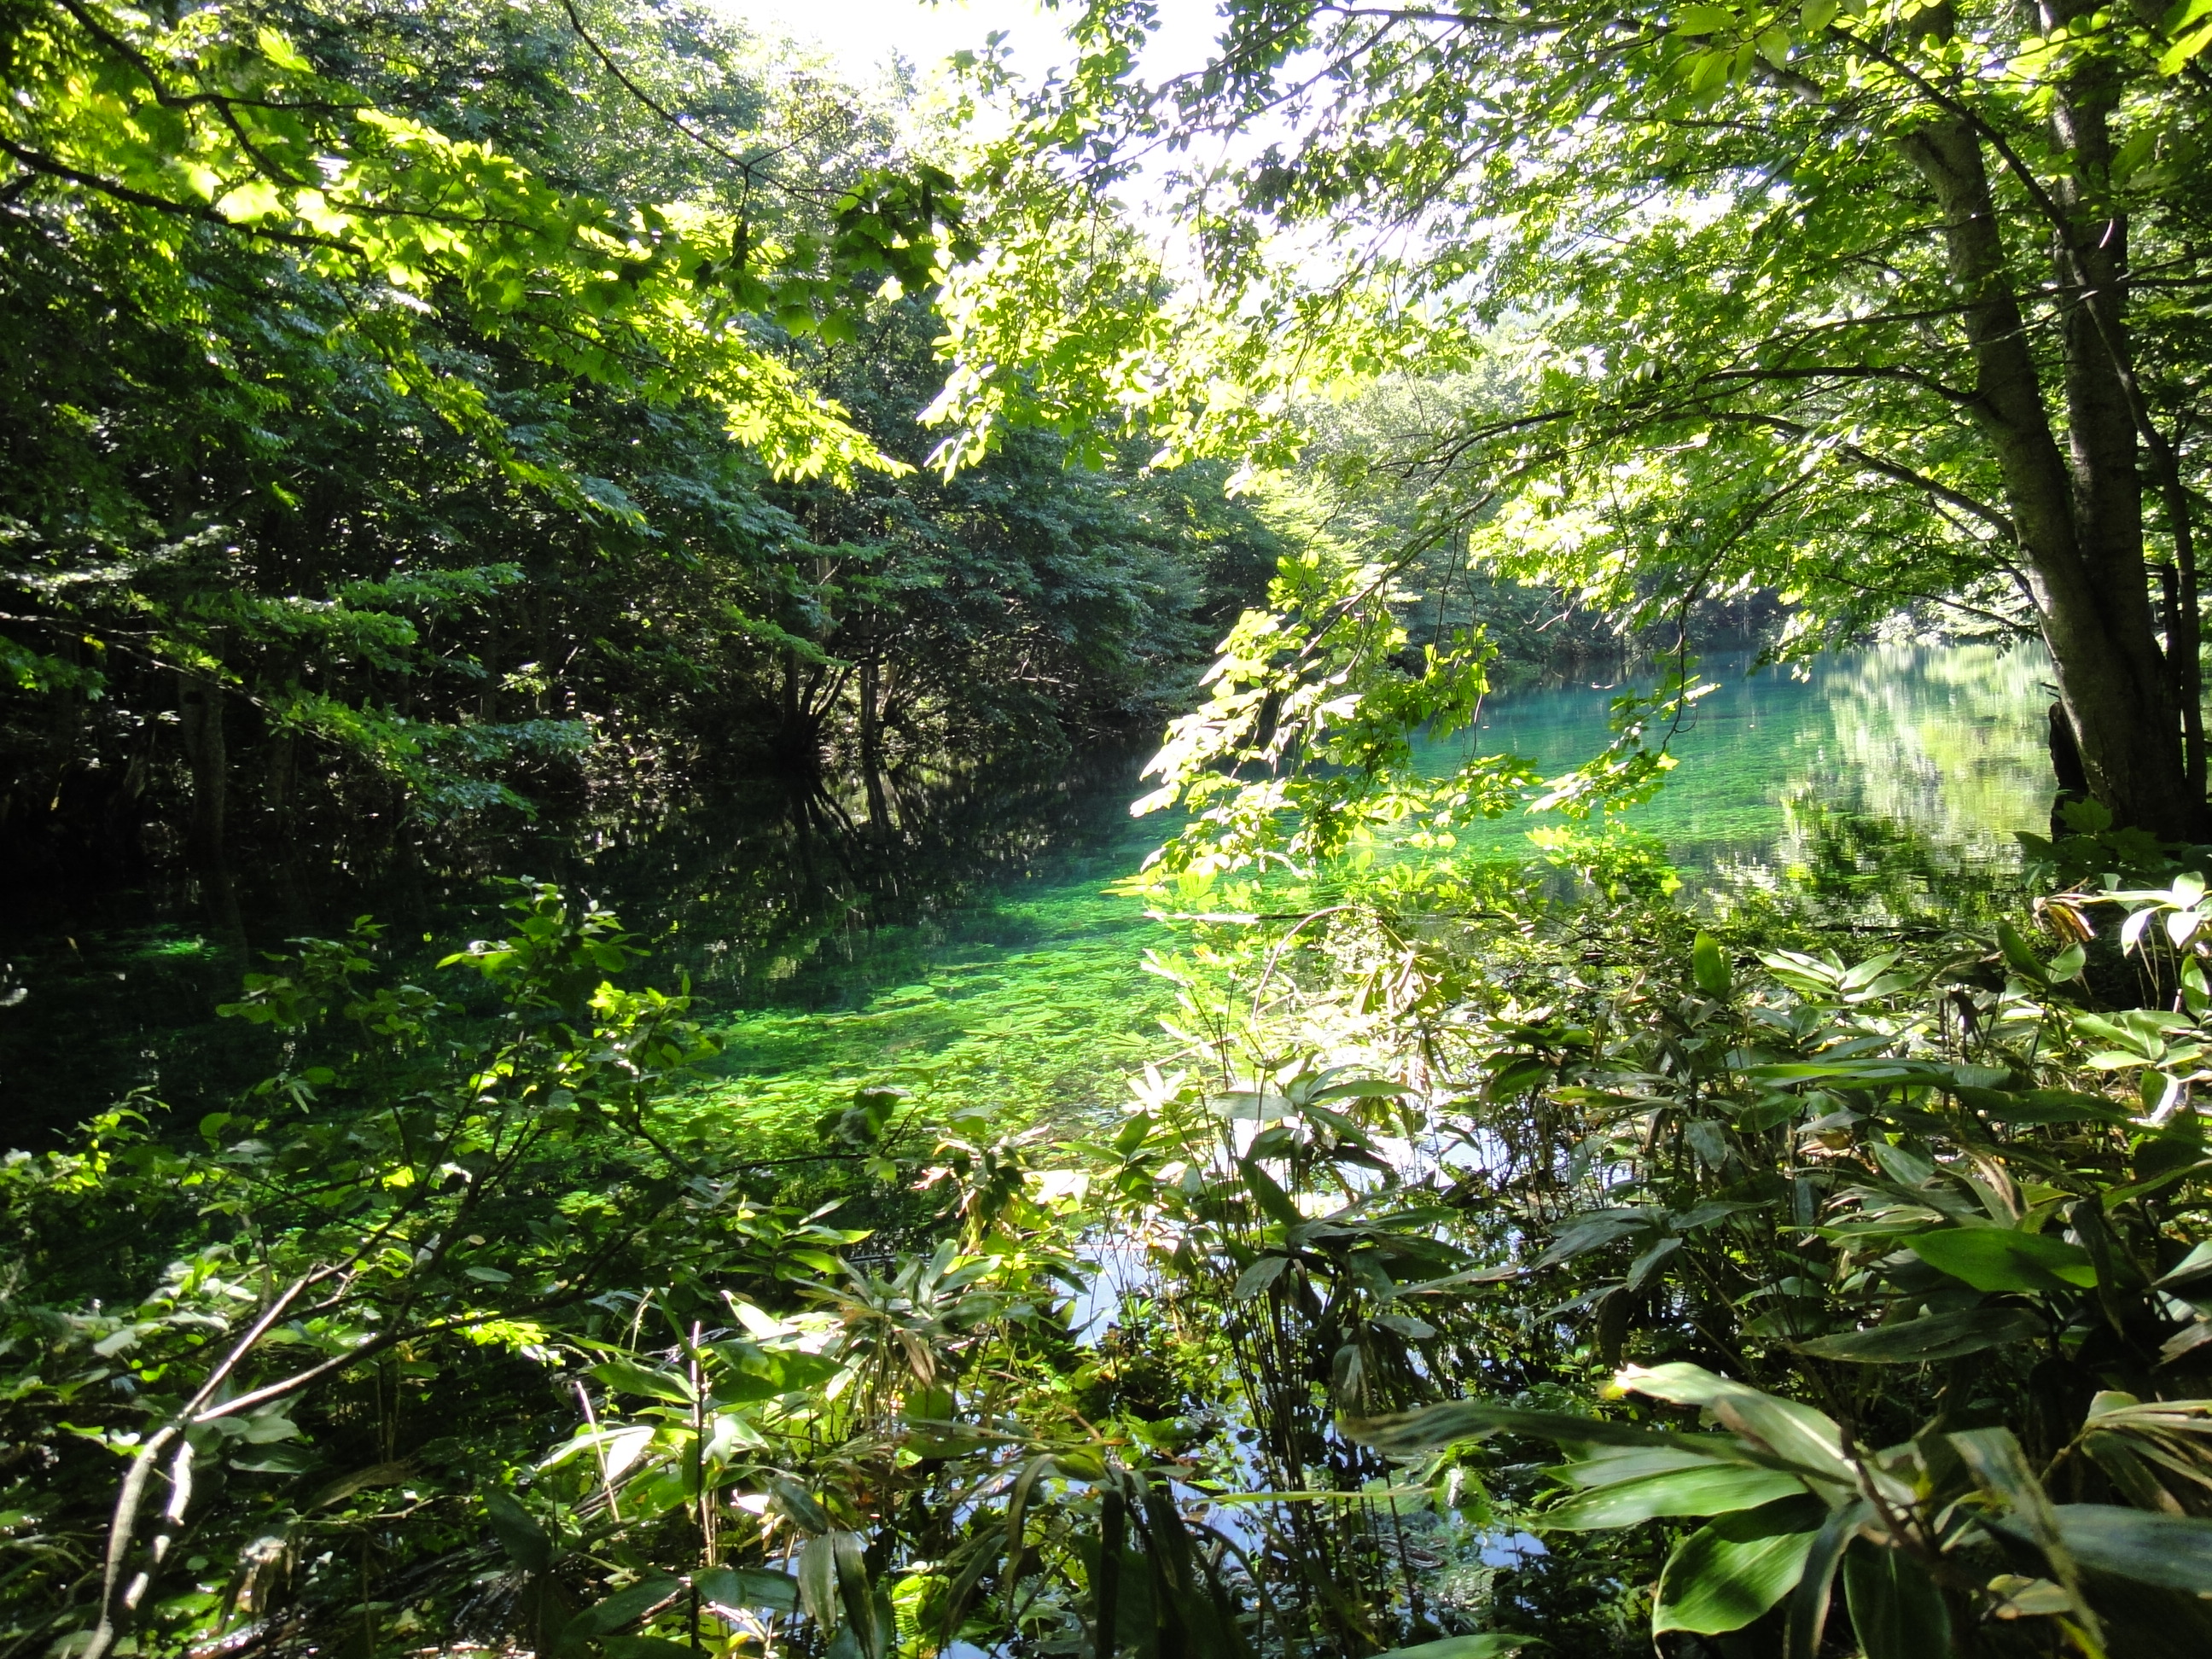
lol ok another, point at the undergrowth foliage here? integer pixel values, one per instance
(1499, 1255)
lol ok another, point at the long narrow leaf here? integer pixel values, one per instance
(1808, 1607)
(1897, 1611)
(1106, 1586)
(1725, 1575)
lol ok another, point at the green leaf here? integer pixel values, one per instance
(524, 1542)
(744, 1388)
(2130, 1474)
(2020, 956)
(2000, 1468)
(850, 1569)
(1775, 1108)
(817, 1581)
(623, 1607)
(2043, 1106)
(1806, 1437)
(1708, 965)
(1273, 1200)
(1709, 1489)
(1872, 1072)
(1916, 1342)
(1703, 19)
(282, 52)
(805, 1371)
(2180, 15)
(1593, 1233)
(281, 1459)
(624, 1378)
(1896, 1610)
(794, 1501)
(1433, 1427)
(1613, 1465)
(1724, 1576)
(2173, 1551)
(1808, 1607)
(1378, 1089)
(2188, 45)
(2001, 1259)
(748, 1587)
(1257, 1277)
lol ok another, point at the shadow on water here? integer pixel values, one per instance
(767, 894)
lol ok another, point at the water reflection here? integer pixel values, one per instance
(1936, 752)
(1948, 743)
(962, 936)
(752, 887)
(790, 903)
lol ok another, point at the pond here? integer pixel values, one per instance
(1945, 746)
(976, 956)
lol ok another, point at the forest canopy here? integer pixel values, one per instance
(1882, 307)
(423, 412)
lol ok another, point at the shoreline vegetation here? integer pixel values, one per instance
(1754, 1214)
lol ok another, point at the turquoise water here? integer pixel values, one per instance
(1945, 743)
(978, 958)
(1931, 758)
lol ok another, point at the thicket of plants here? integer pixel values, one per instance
(422, 415)
(1484, 1263)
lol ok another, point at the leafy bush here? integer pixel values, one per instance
(480, 1320)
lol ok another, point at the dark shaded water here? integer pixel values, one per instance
(772, 906)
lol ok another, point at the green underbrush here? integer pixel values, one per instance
(490, 1317)
(1480, 1252)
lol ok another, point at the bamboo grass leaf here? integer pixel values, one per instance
(1727, 1574)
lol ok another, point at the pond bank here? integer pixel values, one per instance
(979, 957)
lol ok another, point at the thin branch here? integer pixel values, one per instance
(125, 1525)
(606, 59)
(205, 215)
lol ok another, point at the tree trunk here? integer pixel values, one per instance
(799, 737)
(2077, 519)
(199, 713)
(282, 743)
(2066, 767)
(871, 746)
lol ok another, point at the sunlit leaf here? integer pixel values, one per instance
(1490, 1645)
(2003, 1259)
(748, 1587)
(1714, 1488)
(1727, 1574)
(1710, 966)
(628, 1377)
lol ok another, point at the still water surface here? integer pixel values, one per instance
(1946, 742)
(979, 958)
